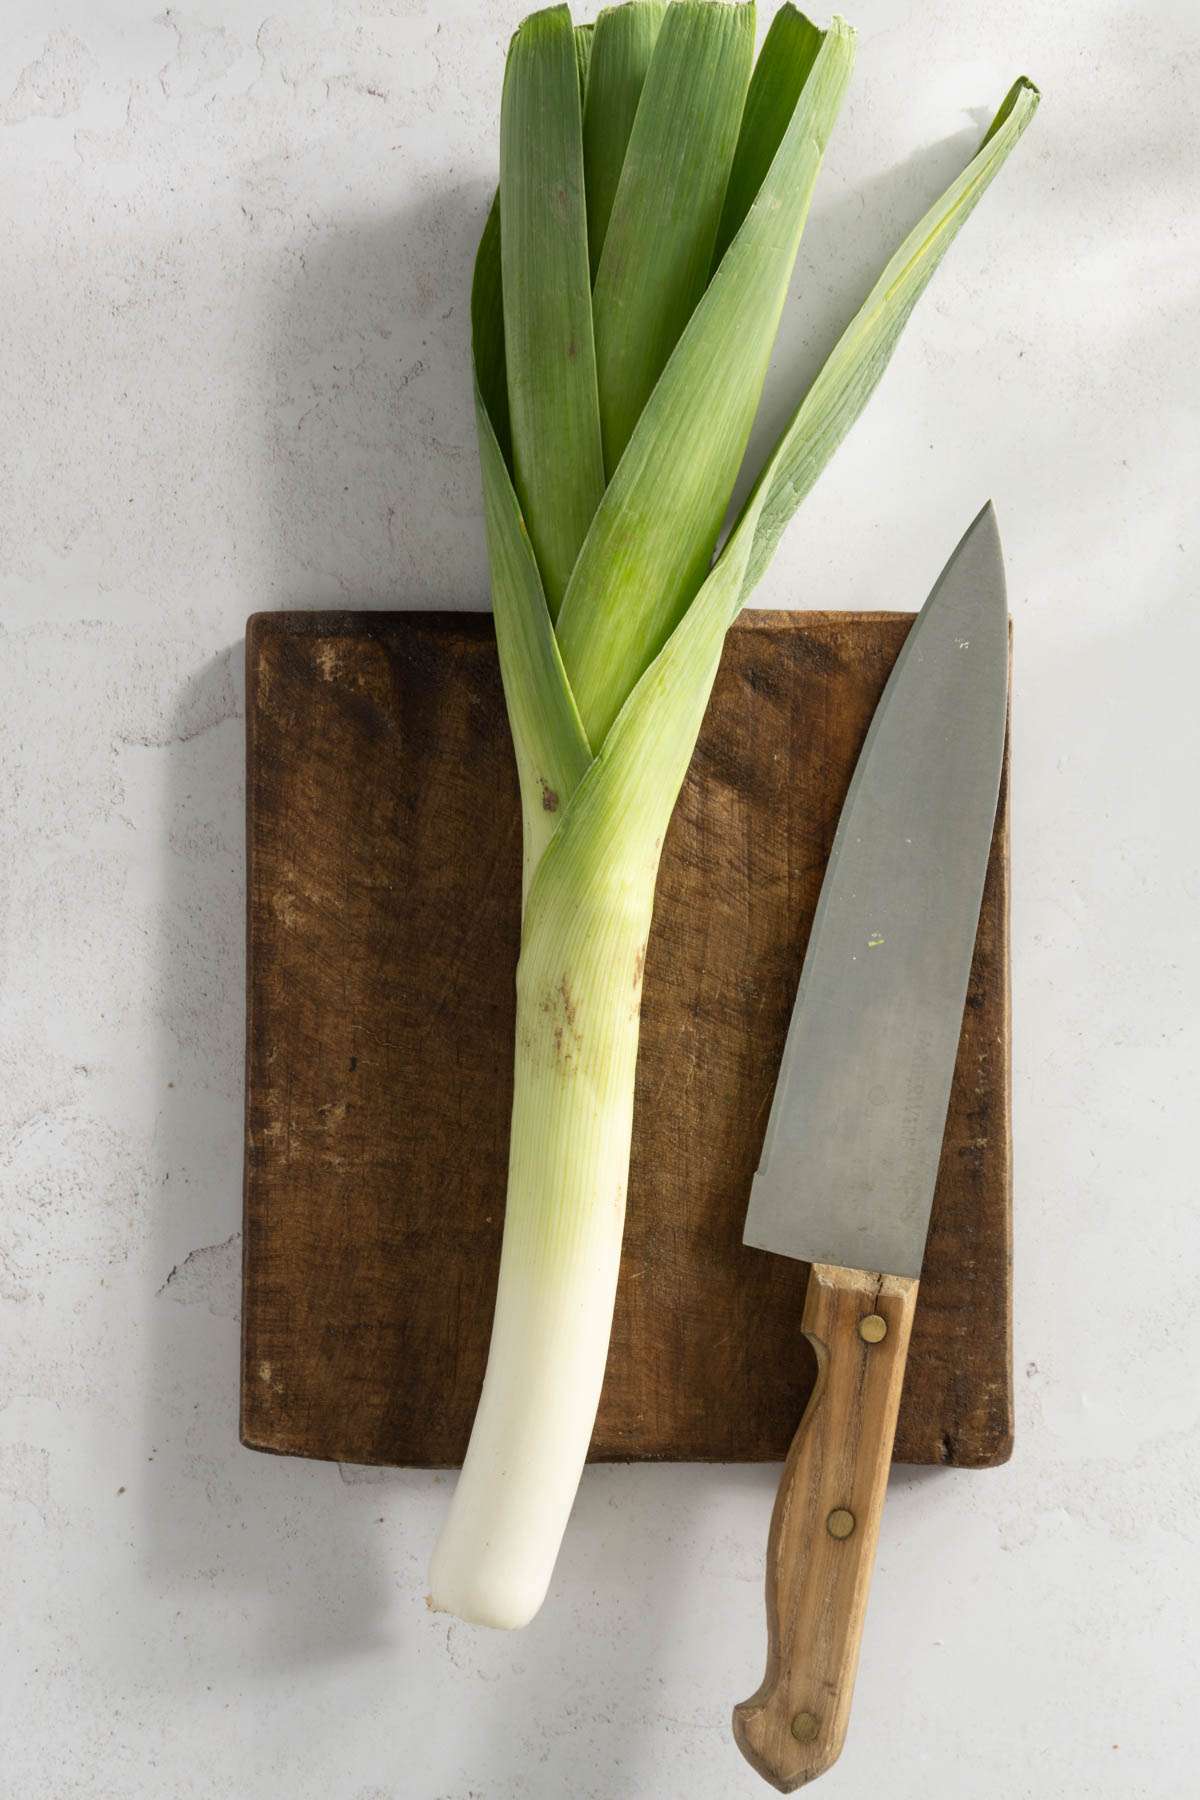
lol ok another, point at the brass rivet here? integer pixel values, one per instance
(805, 1727)
(840, 1523)
(872, 1329)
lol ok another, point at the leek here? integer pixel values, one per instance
(627, 290)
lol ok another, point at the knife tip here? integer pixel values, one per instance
(985, 515)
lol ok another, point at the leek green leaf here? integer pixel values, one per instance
(487, 331)
(784, 65)
(852, 373)
(611, 835)
(659, 243)
(583, 56)
(551, 750)
(621, 50)
(618, 818)
(558, 466)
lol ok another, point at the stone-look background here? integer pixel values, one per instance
(234, 339)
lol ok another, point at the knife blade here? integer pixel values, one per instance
(854, 1135)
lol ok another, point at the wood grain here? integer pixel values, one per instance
(384, 856)
(825, 1526)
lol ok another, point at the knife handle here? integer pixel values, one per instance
(826, 1522)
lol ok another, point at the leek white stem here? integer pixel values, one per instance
(578, 996)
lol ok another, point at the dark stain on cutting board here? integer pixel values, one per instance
(384, 885)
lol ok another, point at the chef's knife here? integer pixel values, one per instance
(855, 1131)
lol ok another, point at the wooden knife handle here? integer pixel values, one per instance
(826, 1522)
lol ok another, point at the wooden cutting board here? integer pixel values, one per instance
(384, 857)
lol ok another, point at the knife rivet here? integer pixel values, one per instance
(840, 1522)
(872, 1329)
(805, 1727)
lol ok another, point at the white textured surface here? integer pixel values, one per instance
(234, 376)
